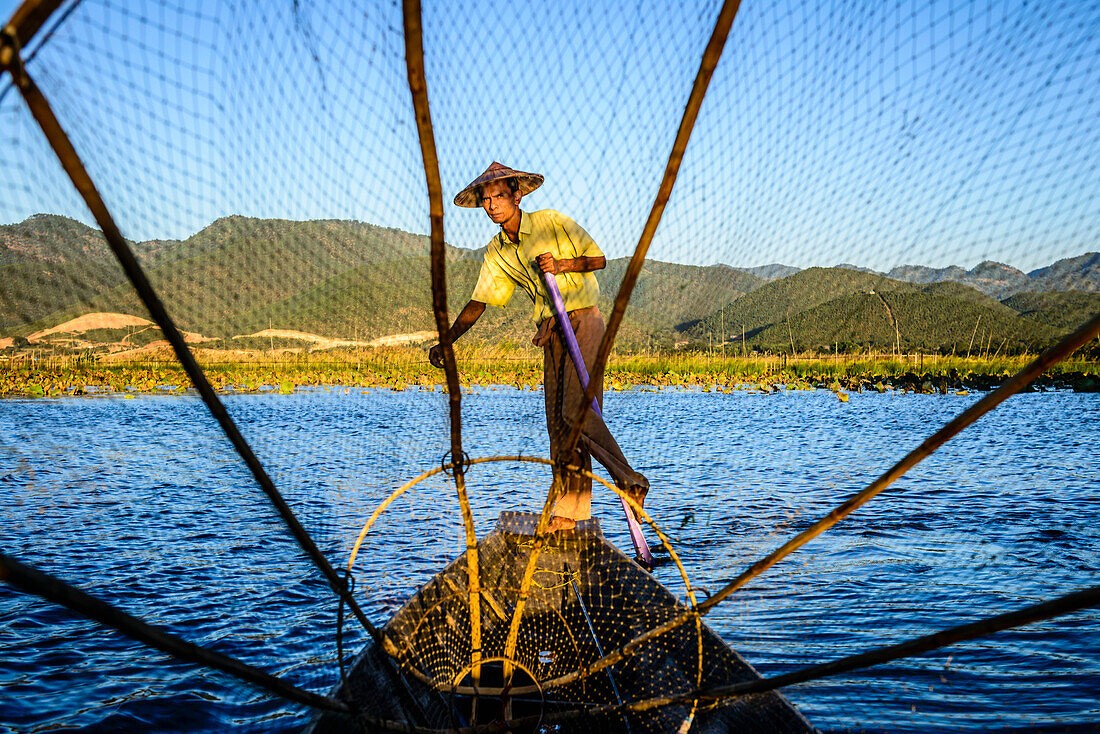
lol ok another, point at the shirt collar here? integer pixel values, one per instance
(524, 229)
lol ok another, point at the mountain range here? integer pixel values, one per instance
(356, 280)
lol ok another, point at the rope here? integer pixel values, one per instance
(570, 578)
(599, 648)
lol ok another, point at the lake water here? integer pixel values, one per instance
(142, 502)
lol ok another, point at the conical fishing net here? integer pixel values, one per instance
(872, 200)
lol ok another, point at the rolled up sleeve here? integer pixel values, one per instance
(579, 240)
(493, 287)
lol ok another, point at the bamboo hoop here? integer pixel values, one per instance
(397, 652)
(531, 568)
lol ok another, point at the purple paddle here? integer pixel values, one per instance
(636, 537)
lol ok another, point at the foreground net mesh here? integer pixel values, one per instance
(584, 599)
(265, 166)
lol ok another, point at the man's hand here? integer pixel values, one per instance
(471, 312)
(548, 264)
(435, 355)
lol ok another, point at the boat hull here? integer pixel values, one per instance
(586, 599)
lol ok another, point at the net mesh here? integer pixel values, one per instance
(264, 165)
(585, 598)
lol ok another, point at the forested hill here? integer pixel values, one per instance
(356, 280)
(822, 309)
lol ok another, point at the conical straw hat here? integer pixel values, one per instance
(528, 182)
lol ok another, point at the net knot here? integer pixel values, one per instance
(564, 578)
(462, 465)
(10, 58)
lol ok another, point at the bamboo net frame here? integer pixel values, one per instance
(26, 22)
(524, 589)
(418, 87)
(711, 56)
(11, 61)
(31, 17)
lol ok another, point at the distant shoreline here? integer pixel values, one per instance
(242, 372)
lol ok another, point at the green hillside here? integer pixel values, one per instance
(1064, 310)
(51, 238)
(233, 267)
(826, 308)
(349, 279)
(32, 292)
(369, 301)
(775, 301)
(924, 322)
(355, 280)
(48, 238)
(951, 289)
(668, 295)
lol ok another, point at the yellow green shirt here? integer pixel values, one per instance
(508, 264)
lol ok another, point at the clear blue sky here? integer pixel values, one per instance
(889, 133)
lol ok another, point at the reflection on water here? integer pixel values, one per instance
(142, 502)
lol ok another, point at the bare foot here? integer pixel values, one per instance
(637, 493)
(557, 522)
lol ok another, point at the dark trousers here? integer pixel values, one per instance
(563, 392)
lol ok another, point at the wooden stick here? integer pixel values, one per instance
(1062, 605)
(48, 587)
(70, 161)
(711, 54)
(29, 18)
(418, 85)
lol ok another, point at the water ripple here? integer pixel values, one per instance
(143, 503)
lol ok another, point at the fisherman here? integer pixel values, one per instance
(528, 245)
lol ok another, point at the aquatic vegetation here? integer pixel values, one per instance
(402, 368)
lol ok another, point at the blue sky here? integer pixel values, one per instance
(880, 134)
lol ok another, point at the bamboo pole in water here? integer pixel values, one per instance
(1018, 382)
(55, 590)
(1072, 602)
